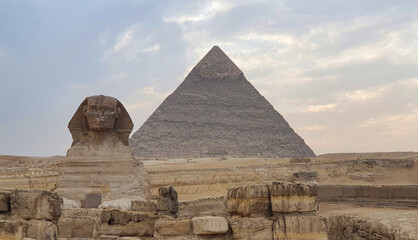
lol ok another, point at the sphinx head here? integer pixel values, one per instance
(101, 114)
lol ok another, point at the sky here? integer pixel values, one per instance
(344, 74)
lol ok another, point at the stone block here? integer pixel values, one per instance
(258, 228)
(330, 192)
(289, 204)
(4, 202)
(129, 238)
(93, 200)
(203, 207)
(12, 229)
(293, 189)
(82, 212)
(35, 204)
(143, 206)
(248, 201)
(122, 204)
(116, 216)
(70, 204)
(209, 225)
(356, 227)
(167, 200)
(108, 237)
(307, 175)
(172, 227)
(293, 197)
(39, 229)
(409, 192)
(127, 223)
(77, 227)
(300, 228)
(350, 191)
(143, 229)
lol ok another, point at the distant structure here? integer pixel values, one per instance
(216, 112)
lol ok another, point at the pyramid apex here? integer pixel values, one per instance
(216, 65)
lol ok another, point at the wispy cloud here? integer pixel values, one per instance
(153, 48)
(364, 94)
(124, 40)
(136, 106)
(320, 108)
(206, 12)
(313, 128)
(150, 91)
(394, 125)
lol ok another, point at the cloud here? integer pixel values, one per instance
(205, 12)
(154, 48)
(124, 41)
(313, 128)
(320, 108)
(364, 94)
(136, 106)
(394, 125)
(150, 91)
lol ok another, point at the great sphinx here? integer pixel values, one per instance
(99, 117)
(99, 166)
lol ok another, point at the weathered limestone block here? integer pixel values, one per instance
(39, 229)
(258, 228)
(352, 227)
(82, 212)
(171, 227)
(307, 175)
(70, 204)
(108, 237)
(209, 225)
(203, 207)
(127, 223)
(293, 197)
(35, 204)
(300, 228)
(143, 206)
(248, 201)
(130, 229)
(130, 238)
(4, 201)
(167, 200)
(77, 227)
(122, 204)
(12, 230)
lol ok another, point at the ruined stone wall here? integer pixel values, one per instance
(266, 211)
(352, 227)
(200, 178)
(397, 196)
(28, 178)
(18, 172)
(194, 180)
(29, 214)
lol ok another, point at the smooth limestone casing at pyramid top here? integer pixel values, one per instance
(217, 112)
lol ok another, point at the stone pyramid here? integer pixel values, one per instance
(217, 112)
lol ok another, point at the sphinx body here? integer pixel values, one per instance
(99, 166)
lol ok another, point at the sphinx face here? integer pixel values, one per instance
(101, 113)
